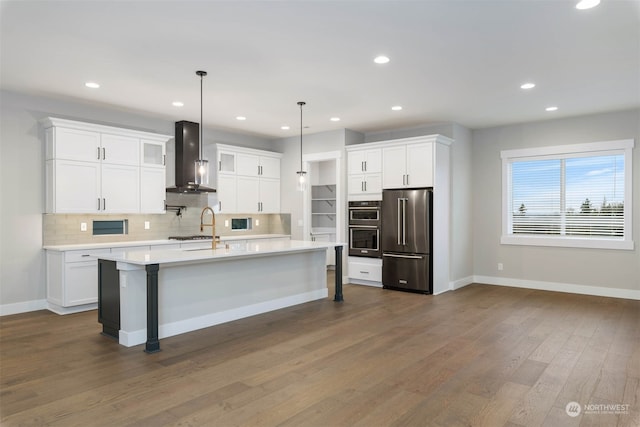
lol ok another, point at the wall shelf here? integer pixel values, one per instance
(323, 205)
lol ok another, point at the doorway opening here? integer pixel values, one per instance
(323, 200)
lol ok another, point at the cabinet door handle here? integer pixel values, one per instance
(362, 186)
(104, 204)
(365, 165)
(407, 179)
(219, 165)
(164, 160)
(98, 203)
(98, 153)
(365, 186)
(362, 166)
(103, 153)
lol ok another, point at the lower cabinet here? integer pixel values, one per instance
(365, 271)
(72, 280)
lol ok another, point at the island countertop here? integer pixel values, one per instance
(252, 249)
(157, 242)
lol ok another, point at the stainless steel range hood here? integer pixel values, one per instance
(187, 152)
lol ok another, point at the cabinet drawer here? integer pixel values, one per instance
(84, 255)
(362, 271)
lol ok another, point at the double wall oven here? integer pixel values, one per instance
(365, 228)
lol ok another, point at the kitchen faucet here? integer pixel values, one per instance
(216, 239)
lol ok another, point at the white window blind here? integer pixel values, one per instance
(568, 196)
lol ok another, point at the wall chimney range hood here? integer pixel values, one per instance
(187, 152)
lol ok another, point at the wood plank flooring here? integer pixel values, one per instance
(479, 356)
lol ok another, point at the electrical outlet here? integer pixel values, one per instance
(147, 225)
(500, 266)
(83, 226)
(257, 222)
(226, 223)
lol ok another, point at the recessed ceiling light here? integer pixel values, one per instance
(396, 107)
(554, 108)
(587, 4)
(241, 118)
(285, 127)
(527, 86)
(177, 104)
(381, 59)
(335, 119)
(92, 85)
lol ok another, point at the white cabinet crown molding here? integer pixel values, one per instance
(437, 138)
(48, 122)
(245, 150)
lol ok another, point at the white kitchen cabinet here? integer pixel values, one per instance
(368, 186)
(72, 186)
(227, 193)
(120, 186)
(367, 161)
(248, 180)
(407, 166)
(153, 154)
(364, 170)
(152, 190)
(72, 280)
(248, 194)
(226, 161)
(269, 195)
(365, 271)
(120, 150)
(97, 169)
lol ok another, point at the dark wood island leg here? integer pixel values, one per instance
(338, 297)
(153, 344)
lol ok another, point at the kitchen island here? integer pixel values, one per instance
(148, 295)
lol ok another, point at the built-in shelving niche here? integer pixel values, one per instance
(323, 206)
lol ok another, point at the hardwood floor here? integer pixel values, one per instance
(479, 356)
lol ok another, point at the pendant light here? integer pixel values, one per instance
(302, 179)
(201, 165)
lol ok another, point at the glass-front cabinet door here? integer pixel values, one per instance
(152, 153)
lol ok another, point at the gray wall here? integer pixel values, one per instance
(588, 267)
(22, 270)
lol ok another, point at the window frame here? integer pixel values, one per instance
(624, 147)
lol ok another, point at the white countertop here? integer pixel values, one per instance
(252, 249)
(106, 245)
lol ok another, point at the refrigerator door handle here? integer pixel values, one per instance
(399, 219)
(404, 221)
(403, 256)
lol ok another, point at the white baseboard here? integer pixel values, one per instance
(132, 338)
(461, 283)
(23, 307)
(560, 287)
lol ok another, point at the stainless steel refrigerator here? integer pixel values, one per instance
(407, 228)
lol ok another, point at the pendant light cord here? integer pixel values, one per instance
(201, 74)
(301, 103)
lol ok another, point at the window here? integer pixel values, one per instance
(571, 195)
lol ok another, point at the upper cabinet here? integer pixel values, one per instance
(407, 165)
(364, 168)
(248, 180)
(102, 169)
(401, 163)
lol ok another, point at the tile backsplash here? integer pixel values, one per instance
(65, 229)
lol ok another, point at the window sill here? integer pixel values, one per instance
(567, 242)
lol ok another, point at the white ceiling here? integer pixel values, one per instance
(461, 61)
